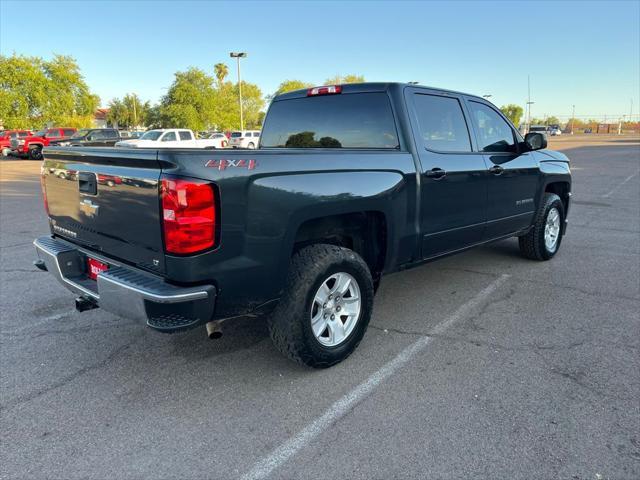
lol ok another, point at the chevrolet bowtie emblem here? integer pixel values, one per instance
(89, 208)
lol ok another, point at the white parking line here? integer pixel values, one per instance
(289, 448)
(607, 195)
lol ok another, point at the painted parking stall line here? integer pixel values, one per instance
(263, 468)
(608, 194)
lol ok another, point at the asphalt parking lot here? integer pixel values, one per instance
(482, 365)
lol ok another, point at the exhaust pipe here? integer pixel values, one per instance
(214, 330)
(84, 303)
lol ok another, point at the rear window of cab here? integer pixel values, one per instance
(356, 120)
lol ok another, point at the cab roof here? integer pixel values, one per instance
(369, 87)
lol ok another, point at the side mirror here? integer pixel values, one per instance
(535, 141)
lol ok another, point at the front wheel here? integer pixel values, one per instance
(326, 307)
(543, 240)
(35, 153)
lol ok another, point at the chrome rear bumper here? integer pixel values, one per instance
(127, 291)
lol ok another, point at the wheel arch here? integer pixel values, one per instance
(365, 232)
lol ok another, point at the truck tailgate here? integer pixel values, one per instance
(106, 200)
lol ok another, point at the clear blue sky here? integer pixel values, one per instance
(584, 53)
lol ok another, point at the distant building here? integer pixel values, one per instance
(100, 118)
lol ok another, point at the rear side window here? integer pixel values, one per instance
(185, 135)
(494, 133)
(360, 120)
(111, 133)
(68, 133)
(441, 123)
(256, 134)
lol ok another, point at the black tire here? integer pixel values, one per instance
(35, 153)
(290, 322)
(532, 245)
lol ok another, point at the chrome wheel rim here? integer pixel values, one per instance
(335, 310)
(552, 230)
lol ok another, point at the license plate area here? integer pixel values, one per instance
(94, 267)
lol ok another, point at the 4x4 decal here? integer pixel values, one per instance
(223, 164)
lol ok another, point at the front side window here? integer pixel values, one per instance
(81, 133)
(494, 133)
(358, 120)
(441, 123)
(98, 135)
(184, 135)
(53, 133)
(169, 137)
(151, 135)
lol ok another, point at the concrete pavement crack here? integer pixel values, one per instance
(67, 379)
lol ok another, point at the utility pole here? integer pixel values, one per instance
(135, 116)
(528, 104)
(573, 116)
(238, 56)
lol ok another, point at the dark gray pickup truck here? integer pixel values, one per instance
(350, 182)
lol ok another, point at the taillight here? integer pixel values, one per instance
(188, 215)
(328, 90)
(43, 186)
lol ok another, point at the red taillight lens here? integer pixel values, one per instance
(43, 186)
(328, 90)
(188, 215)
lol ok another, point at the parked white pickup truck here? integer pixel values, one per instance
(170, 138)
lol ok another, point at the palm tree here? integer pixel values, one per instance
(221, 71)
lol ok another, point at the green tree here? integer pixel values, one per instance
(513, 113)
(290, 85)
(339, 79)
(552, 120)
(227, 110)
(221, 71)
(190, 101)
(129, 112)
(34, 92)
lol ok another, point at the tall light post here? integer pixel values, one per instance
(529, 115)
(573, 116)
(238, 56)
(529, 103)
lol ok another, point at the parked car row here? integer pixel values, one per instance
(26, 144)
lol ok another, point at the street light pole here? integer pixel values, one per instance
(573, 116)
(238, 56)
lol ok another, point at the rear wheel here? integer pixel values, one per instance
(326, 308)
(543, 240)
(251, 146)
(35, 153)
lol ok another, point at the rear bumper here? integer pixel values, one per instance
(126, 291)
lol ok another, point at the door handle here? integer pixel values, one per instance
(436, 173)
(496, 170)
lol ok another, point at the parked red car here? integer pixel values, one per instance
(7, 135)
(31, 146)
